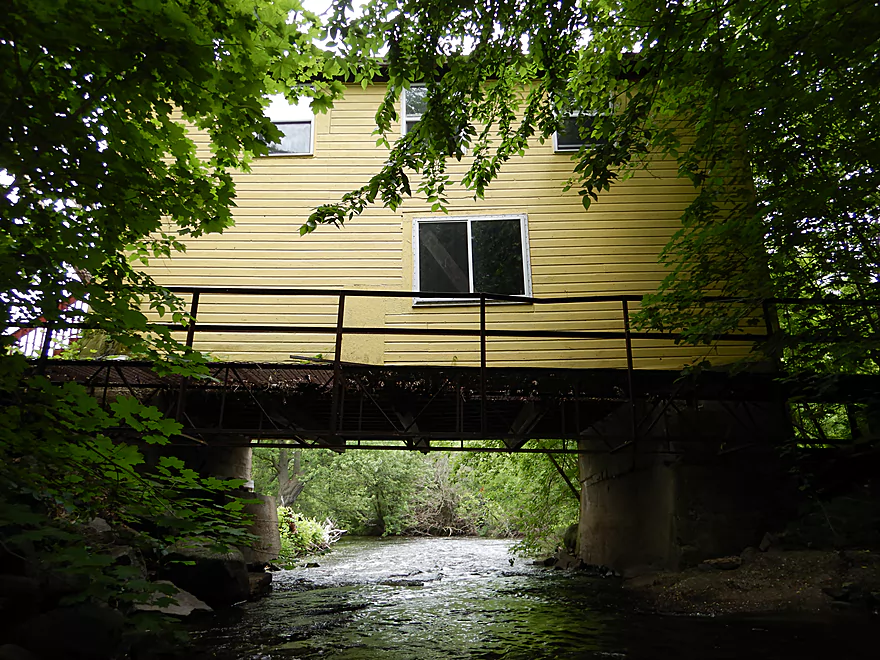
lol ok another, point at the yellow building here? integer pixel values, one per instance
(527, 237)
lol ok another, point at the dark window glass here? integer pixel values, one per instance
(575, 132)
(297, 138)
(498, 257)
(443, 257)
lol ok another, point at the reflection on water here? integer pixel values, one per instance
(428, 599)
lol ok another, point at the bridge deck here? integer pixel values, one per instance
(315, 405)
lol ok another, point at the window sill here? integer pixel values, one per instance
(463, 302)
(308, 155)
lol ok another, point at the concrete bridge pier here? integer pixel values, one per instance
(703, 482)
(233, 459)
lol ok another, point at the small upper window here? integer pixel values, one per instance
(414, 103)
(472, 254)
(296, 121)
(576, 132)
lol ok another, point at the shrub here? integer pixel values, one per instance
(300, 535)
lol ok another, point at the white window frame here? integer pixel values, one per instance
(566, 149)
(288, 154)
(284, 109)
(469, 220)
(403, 116)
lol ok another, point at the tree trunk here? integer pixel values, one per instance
(289, 484)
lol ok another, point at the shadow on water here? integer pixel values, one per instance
(427, 599)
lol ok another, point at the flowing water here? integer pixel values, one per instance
(427, 599)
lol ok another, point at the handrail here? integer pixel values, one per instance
(475, 297)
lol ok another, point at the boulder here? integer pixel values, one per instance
(401, 582)
(125, 555)
(642, 581)
(722, 563)
(101, 528)
(564, 560)
(638, 571)
(218, 578)
(749, 555)
(84, 632)
(184, 602)
(767, 542)
(260, 584)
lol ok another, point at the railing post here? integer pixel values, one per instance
(483, 364)
(190, 339)
(46, 347)
(193, 311)
(337, 367)
(771, 325)
(629, 370)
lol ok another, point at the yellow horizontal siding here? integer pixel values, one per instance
(610, 249)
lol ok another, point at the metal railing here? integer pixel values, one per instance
(48, 338)
(484, 300)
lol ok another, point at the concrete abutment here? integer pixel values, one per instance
(704, 481)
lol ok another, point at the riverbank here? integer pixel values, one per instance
(805, 581)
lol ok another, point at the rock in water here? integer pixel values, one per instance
(723, 563)
(218, 578)
(260, 584)
(564, 560)
(184, 605)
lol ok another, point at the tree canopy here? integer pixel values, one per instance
(97, 167)
(769, 108)
(96, 171)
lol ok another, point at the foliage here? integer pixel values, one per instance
(98, 172)
(768, 108)
(99, 168)
(440, 493)
(277, 472)
(523, 495)
(60, 469)
(363, 491)
(441, 503)
(299, 535)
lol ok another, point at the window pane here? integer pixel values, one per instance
(410, 124)
(416, 99)
(574, 132)
(297, 139)
(443, 257)
(498, 257)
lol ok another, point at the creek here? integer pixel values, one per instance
(433, 598)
